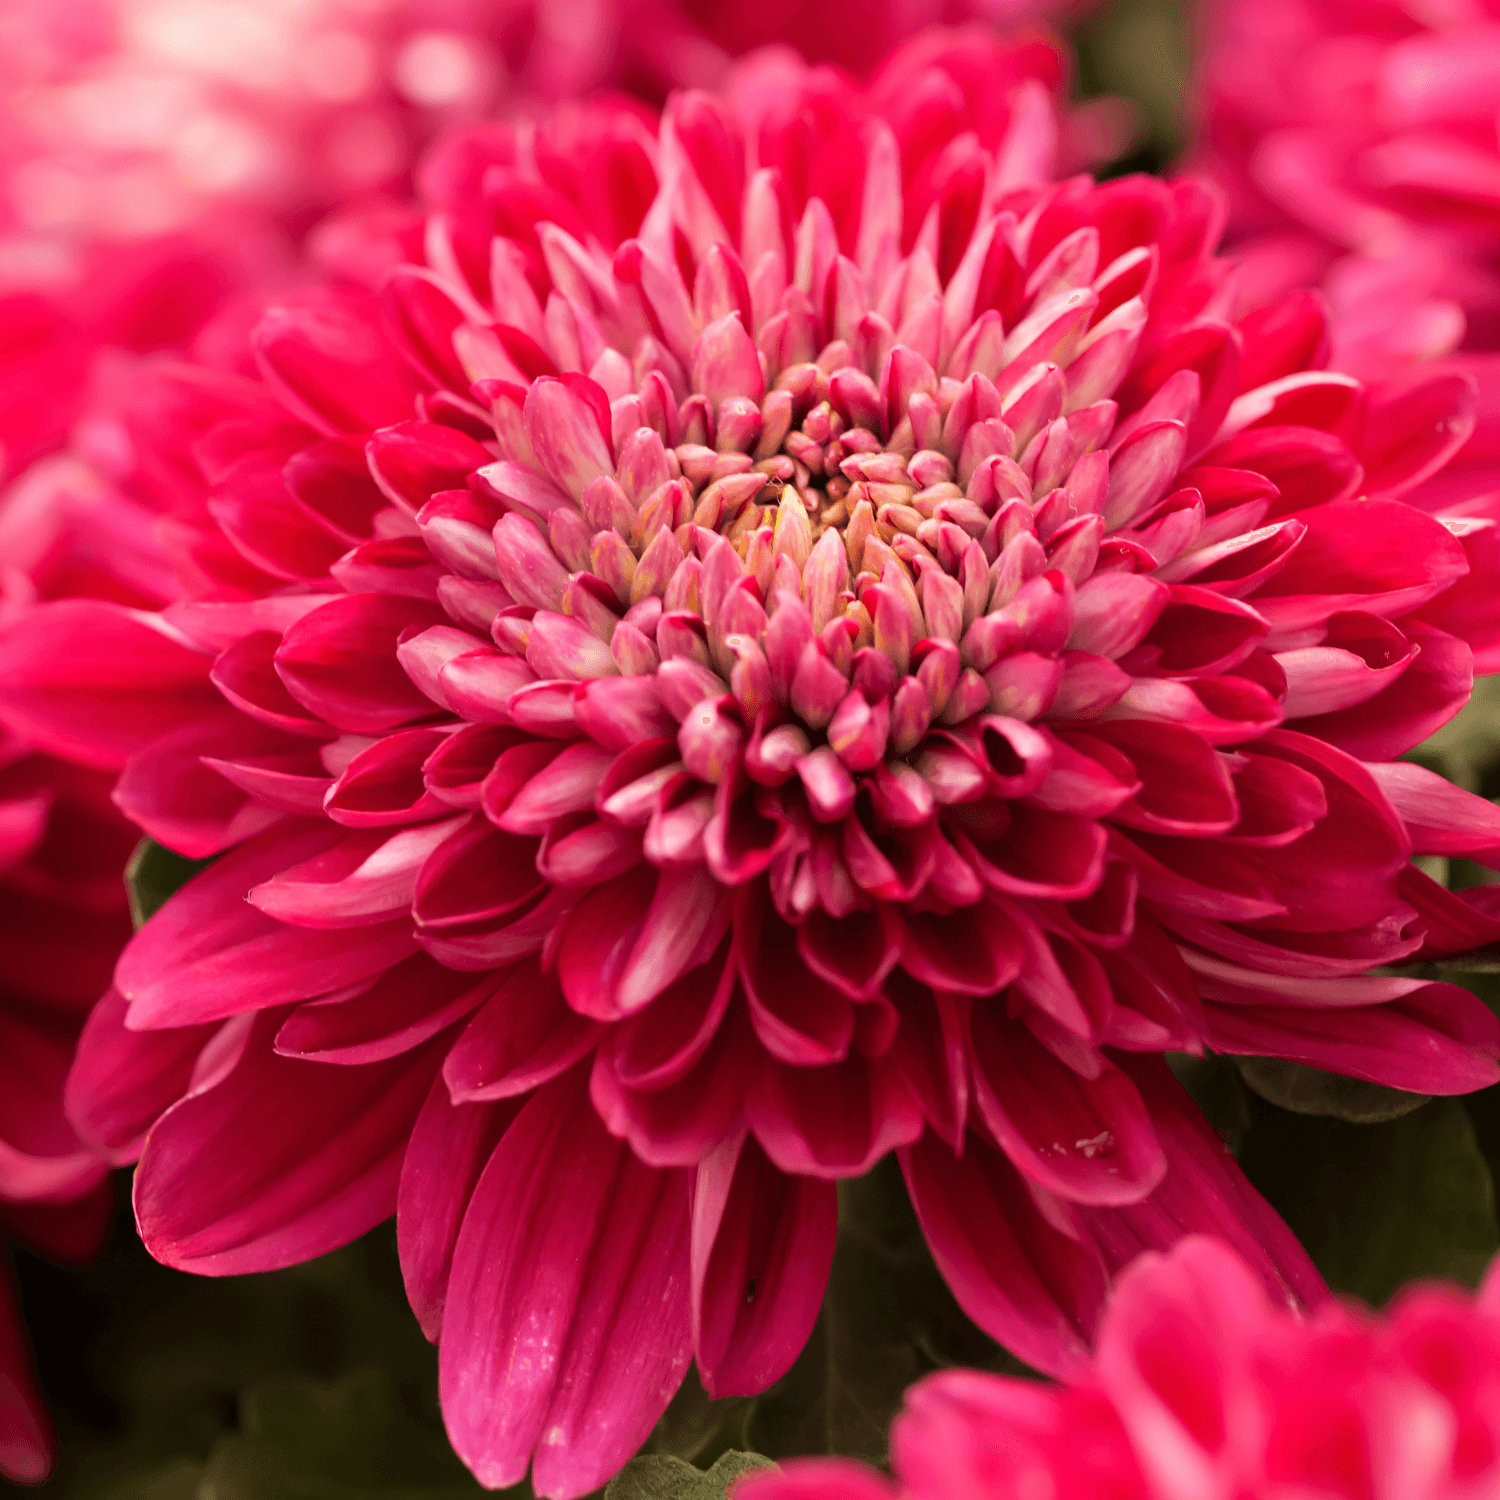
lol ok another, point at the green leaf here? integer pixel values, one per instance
(658, 1476)
(888, 1319)
(302, 1439)
(153, 874)
(1310, 1091)
(177, 1481)
(697, 1427)
(1213, 1082)
(1376, 1205)
(1468, 745)
(1477, 961)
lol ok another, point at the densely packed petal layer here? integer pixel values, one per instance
(1202, 1387)
(785, 636)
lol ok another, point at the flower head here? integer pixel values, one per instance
(1201, 1387)
(786, 636)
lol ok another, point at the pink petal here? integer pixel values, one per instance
(369, 877)
(450, 1144)
(410, 1002)
(340, 662)
(208, 954)
(725, 362)
(326, 1157)
(1440, 817)
(95, 682)
(1438, 1040)
(121, 1080)
(329, 364)
(1087, 1139)
(762, 1246)
(566, 1329)
(858, 1110)
(1019, 1277)
(27, 1446)
(566, 434)
(524, 1035)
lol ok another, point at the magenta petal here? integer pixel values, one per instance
(340, 661)
(725, 362)
(26, 1442)
(1438, 1040)
(1204, 1192)
(410, 1002)
(1418, 703)
(1440, 817)
(1087, 1139)
(168, 791)
(837, 1122)
(208, 953)
(1021, 1278)
(368, 877)
(932, 1051)
(328, 1144)
(328, 362)
(450, 1144)
(41, 1159)
(525, 1035)
(799, 1017)
(567, 1328)
(96, 682)
(121, 1080)
(762, 1247)
(565, 432)
(677, 1122)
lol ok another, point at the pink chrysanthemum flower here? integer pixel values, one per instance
(1203, 1389)
(63, 922)
(1356, 145)
(786, 637)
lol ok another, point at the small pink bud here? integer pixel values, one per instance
(771, 759)
(900, 795)
(938, 670)
(633, 652)
(657, 565)
(711, 739)
(942, 605)
(829, 786)
(817, 687)
(858, 731)
(1023, 685)
(824, 578)
(971, 693)
(911, 713)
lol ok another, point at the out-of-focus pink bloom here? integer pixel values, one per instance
(63, 845)
(1203, 1388)
(127, 119)
(1358, 147)
(1371, 127)
(784, 635)
(62, 925)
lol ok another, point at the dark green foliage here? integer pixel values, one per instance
(1379, 1204)
(1310, 1091)
(888, 1319)
(153, 874)
(655, 1476)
